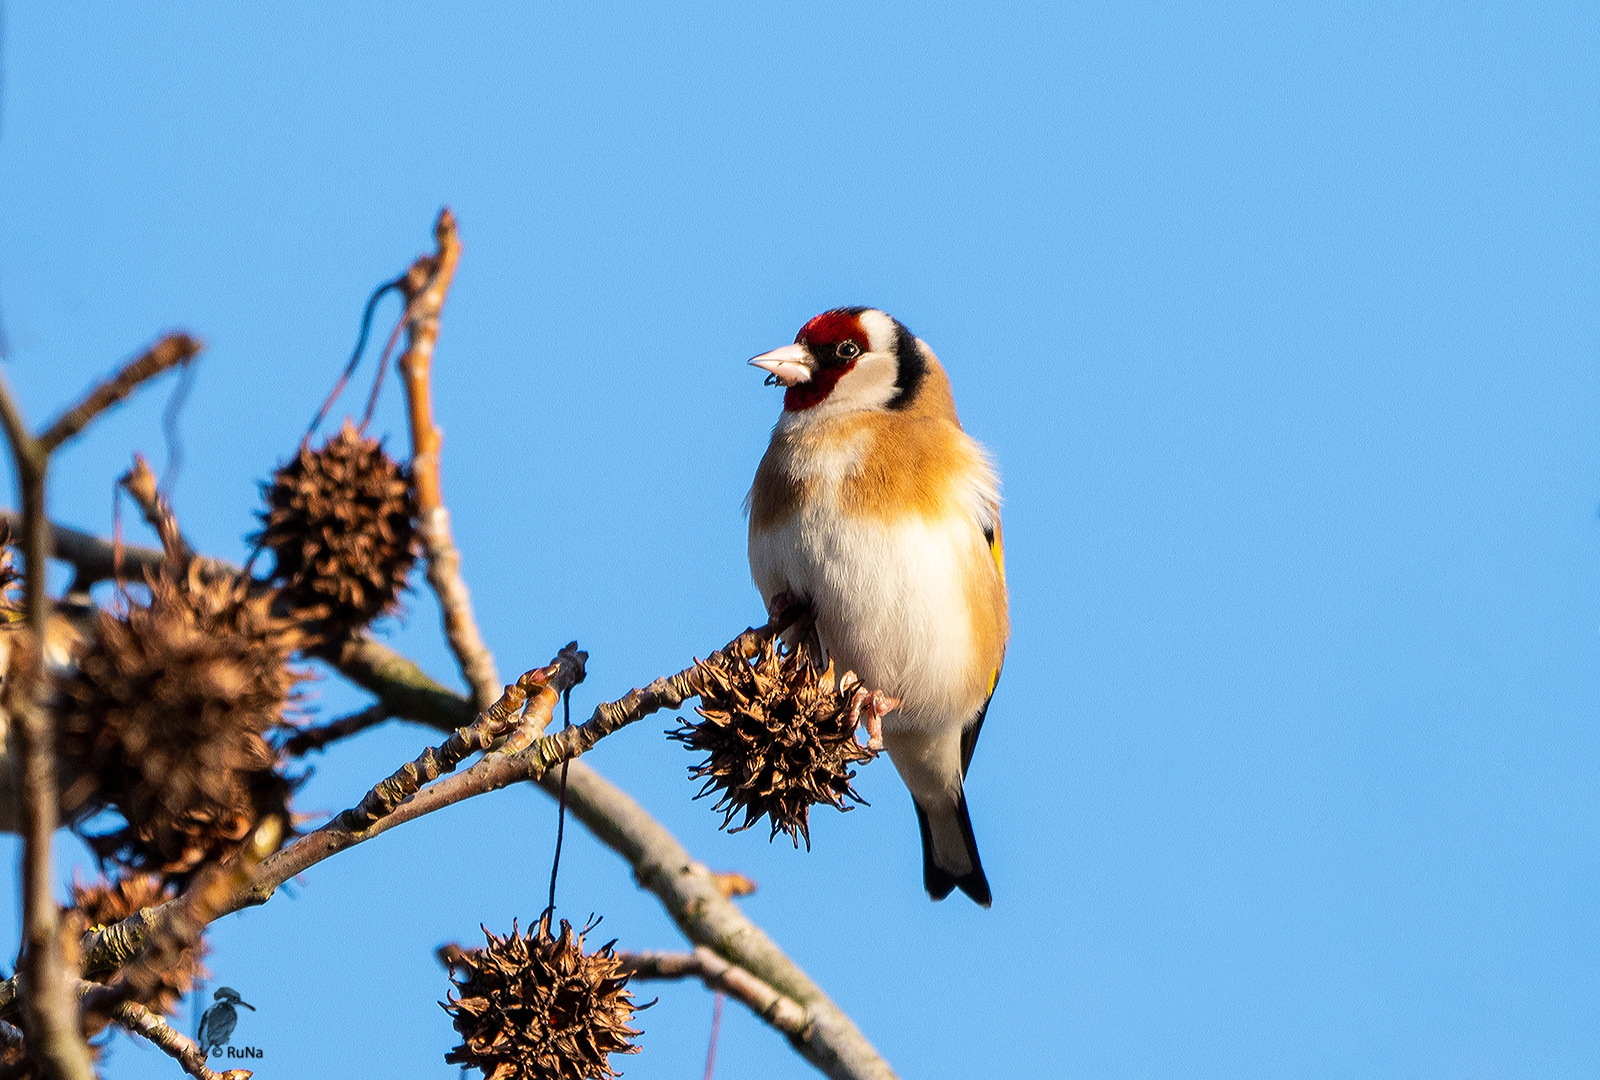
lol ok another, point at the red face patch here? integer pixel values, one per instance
(802, 396)
(822, 337)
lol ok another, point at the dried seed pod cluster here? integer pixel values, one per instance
(340, 522)
(780, 738)
(108, 902)
(537, 1007)
(165, 720)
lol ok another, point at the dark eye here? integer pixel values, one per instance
(847, 350)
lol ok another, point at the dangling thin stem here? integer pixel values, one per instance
(116, 543)
(355, 357)
(716, 1029)
(169, 427)
(561, 805)
(383, 368)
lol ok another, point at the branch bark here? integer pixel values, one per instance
(51, 1009)
(134, 1017)
(425, 286)
(91, 557)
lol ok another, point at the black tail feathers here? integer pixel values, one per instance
(941, 882)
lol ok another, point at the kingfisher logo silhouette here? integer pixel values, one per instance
(216, 1026)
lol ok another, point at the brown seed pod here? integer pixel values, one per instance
(165, 720)
(340, 522)
(107, 902)
(537, 1007)
(10, 579)
(15, 1061)
(779, 736)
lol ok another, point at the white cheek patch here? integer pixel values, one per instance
(868, 385)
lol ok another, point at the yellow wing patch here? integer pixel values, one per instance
(997, 551)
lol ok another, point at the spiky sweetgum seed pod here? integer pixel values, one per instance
(165, 720)
(779, 739)
(341, 524)
(108, 902)
(537, 1007)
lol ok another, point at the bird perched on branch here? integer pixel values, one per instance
(878, 513)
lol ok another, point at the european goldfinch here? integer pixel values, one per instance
(875, 510)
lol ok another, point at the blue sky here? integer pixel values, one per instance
(1280, 321)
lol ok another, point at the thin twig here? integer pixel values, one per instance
(355, 357)
(783, 1013)
(170, 351)
(668, 692)
(51, 1011)
(495, 723)
(425, 286)
(561, 810)
(140, 483)
(309, 739)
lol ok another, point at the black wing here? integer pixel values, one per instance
(969, 735)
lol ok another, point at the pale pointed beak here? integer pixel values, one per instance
(788, 365)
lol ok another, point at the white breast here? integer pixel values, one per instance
(889, 601)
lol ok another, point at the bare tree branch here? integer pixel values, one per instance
(425, 286)
(170, 351)
(51, 1011)
(783, 1013)
(690, 892)
(493, 725)
(399, 684)
(319, 737)
(400, 798)
(136, 1018)
(91, 557)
